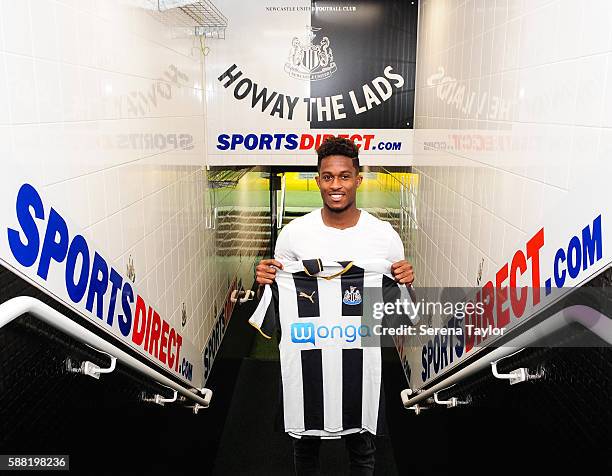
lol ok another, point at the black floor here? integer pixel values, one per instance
(558, 425)
(250, 445)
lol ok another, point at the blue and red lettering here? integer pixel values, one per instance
(95, 279)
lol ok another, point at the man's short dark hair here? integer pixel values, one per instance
(338, 146)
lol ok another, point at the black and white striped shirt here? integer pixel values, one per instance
(331, 384)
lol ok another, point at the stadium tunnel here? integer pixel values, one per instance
(150, 165)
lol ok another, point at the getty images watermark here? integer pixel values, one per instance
(406, 308)
(466, 317)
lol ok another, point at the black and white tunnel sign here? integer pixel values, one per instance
(287, 75)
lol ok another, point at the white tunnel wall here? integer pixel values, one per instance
(101, 109)
(515, 97)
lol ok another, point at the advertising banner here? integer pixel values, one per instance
(290, 72)
(47, 249)
(219, 327)
(553, 261)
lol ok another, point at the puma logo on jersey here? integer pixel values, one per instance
(309, 297)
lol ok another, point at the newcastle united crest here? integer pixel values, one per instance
(352, 296)
(310, 61)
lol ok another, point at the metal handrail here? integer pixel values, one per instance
(595, 321)
(18, 306)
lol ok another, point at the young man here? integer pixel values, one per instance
(339, 230)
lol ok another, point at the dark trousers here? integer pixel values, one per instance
(360, 446)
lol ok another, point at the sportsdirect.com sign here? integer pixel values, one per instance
(40, 244)
(534, 277)
(292, 142)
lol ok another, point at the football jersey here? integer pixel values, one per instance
(331, 383)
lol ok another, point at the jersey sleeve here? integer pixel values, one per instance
(265, 318)
(283, 250)
(395, 252)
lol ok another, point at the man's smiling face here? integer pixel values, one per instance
(338, 181)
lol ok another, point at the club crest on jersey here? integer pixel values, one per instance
(309, 61)
(352, 296)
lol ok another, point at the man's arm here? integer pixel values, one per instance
(265, 272)
(401, 269)
(403, 272)
(284, 248)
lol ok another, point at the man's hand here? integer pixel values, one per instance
(402, 272)
(265, 272)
